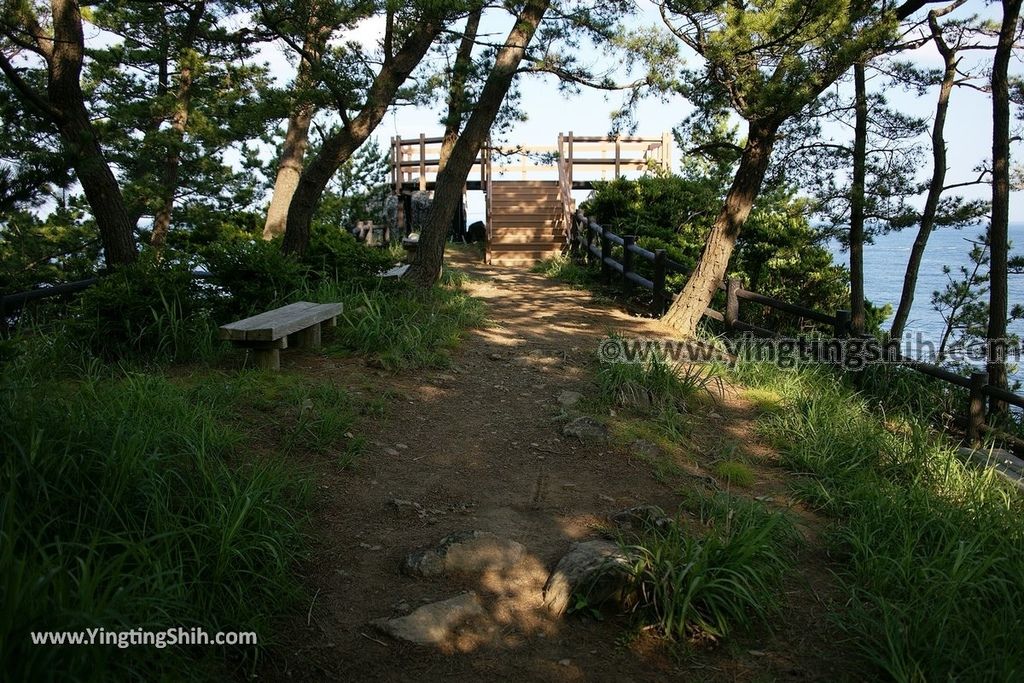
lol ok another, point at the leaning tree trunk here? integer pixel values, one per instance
(65, 96)
(426, 267)
(935, 185)
(296, 138)
(688, 308)
(998, 239)
(289, 169)
(457, 88)
(337, 148)
(860, 152)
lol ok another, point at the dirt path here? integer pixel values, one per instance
(478, 447)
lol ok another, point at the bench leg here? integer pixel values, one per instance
(268, 359)
(308, 338)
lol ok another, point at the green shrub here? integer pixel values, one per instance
(125, 504)
(255, 274)
(334, 254)
(706, 584)
(152, 310)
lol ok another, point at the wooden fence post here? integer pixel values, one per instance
(841, 327)
(732, 302)
(606, 252)
(976, 408)
(658, 304)
(627, 261)
(589, 255)
(423, 162)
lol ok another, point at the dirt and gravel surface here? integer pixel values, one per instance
(478, 446)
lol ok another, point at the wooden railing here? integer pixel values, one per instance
(597, 245)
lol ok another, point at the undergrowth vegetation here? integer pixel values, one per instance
(130, 501)
(929, 550)
(137, 494)
(702, 580)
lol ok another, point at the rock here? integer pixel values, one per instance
(568, 399)
(496, 356)
(407, 507)
(591, 568)
(392, 452)
(586, 429)
(434, 623)
(639, 516)
(642, 447)
(465, 552)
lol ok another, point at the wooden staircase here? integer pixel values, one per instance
(525, 222)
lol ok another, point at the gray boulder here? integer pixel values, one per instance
(594, 570)
(586, 429)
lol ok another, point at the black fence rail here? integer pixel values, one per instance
(597, 244)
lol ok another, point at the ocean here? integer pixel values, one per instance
(885, 263)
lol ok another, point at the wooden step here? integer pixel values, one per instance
(524, 247)
(525, 220)
(532, 207)
(503, 184)
(523, 234)
(523, 259)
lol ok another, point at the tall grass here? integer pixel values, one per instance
(400, 326)
(707, 581)
(652, 384)
(125, 503)
(930, 550)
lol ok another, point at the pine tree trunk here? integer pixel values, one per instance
(296, 137)
(68, 102)
(860, 152)
(289, 169)
(337, 148)
(179, 122)
(425, 269)
(688, 308)
(998, 307)
(935, 186)
(457, 88)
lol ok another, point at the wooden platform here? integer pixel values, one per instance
(526, 222)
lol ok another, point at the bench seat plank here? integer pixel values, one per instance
(275, 324)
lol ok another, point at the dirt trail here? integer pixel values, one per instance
(478, 447)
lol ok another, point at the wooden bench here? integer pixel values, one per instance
(267, 333)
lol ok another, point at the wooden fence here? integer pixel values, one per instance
(598, 244)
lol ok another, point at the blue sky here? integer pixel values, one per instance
(968, 128)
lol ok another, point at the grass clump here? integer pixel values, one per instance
(735, 473)
(399, 326)
(931, 550)
(128, 503)
(650, 384)
(695, 586)
(566, 270)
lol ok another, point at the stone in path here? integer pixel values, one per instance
(592, 568)
(464, 552)
(587, 430)
(568, 399)
(435, 623)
